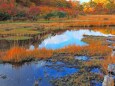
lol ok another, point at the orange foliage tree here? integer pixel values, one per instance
(8, 6)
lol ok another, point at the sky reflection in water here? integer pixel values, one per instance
(69, 38)
(28, 73)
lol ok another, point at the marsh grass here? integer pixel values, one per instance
(89, 50)
(95, 39)
(108, 60)
(16, 38)
(19, 54)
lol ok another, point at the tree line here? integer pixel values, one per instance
(47, 9)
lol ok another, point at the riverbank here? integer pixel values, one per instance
(81, 20)
(28, 30)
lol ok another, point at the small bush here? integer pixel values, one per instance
(49, 16)
(61, 14)
(33, 12)
(4, 16)
(19, 15)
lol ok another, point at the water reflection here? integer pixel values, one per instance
(96, 83)
(40, 71)
(96, 70)
(69, 38)
(31, 47)
(82, 58)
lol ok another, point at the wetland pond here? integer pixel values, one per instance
(46, 71)
(26, 74)
(72, 37)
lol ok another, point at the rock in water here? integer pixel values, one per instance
(111, 68)
(36, 83)
(109, 80)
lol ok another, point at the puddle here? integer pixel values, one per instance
(28, 73)
(82, 58)
(96, 83)
(96, 71)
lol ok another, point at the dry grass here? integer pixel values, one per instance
(105, 30)
(107, 61)
(41, 53)
(18, 54)
(91, 50)
(89, 20)
(95, 39)
(15, 54)
(97, 17)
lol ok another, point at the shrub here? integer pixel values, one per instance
(8, 6)
(61, 14)
(21, 14)
(33, 12)
(49, 16)
(4, 16)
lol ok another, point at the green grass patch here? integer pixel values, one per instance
(16, 38)
(95, 39)
(19, 31)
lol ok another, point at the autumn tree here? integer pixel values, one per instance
(101, 1)
(33, 12)
(111, 8)
(7, 9)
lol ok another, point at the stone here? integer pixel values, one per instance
(108, 81)
(36, 83)
(111, 68)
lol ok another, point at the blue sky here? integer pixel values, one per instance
(84, 1)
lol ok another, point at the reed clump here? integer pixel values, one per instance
(19, 54)
(88, 50)
(108, 60)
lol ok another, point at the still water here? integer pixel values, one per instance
(72, 37)
(26, 74)
(44, 71)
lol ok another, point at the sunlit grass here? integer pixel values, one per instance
(21, 31)
(95, 39)
(16, 38)
(91, 50)
(18, 54)
(108, 60)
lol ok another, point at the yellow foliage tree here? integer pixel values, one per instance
(101, 1)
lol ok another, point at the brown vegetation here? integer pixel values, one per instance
(91, 50)
(107, 61)
(18, 54)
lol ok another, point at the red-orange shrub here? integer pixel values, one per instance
(15, 54)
